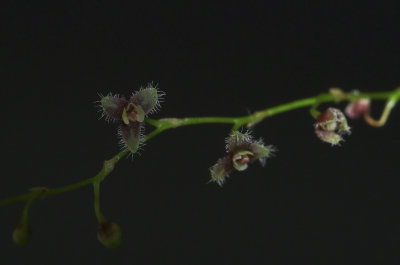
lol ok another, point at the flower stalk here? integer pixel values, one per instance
(248, 121)
(22, 233)
(241, 148)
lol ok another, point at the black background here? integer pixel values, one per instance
(311, 204)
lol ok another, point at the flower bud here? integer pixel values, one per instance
(331, 125)
(22, 234)
(358, 108)
(109, 234)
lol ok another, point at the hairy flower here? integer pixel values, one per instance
(131, 113)
(358, 108)
(331, 125)
(241, 150)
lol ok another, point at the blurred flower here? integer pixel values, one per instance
(331, 125)
(109, 234)
(241, 150)
(358, 108)
(131, 113)
(22, 234)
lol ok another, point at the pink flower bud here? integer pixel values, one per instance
(358, 108)
(331, 125)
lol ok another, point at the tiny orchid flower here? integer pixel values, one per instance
(331, 125)
(241, 150)
(131, 113)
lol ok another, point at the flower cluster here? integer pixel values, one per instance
(241, 150)
(131, 113)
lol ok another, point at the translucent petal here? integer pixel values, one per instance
(237, 141)
(259, 151)
(113, 106)
(130, 135)
(221, 170)
(140, 113)
(329, 137)
(147, 98)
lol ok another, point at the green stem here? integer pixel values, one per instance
(99, 215)
(25, 212)
(108, 166)
(237, 122)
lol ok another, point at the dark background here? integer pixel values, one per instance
(311, 204)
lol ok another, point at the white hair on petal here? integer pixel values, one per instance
(101, 109)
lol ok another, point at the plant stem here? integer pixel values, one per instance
(99, 215)
(237, 122)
